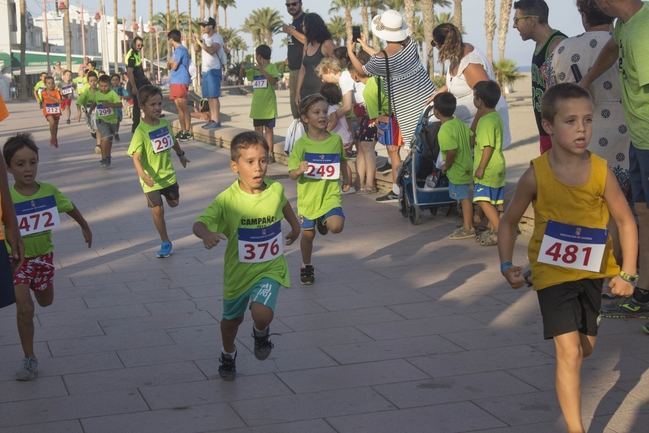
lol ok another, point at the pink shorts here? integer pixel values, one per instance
(36, 272)
(66, 103)
(178, 91)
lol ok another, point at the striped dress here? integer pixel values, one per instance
(411, 87)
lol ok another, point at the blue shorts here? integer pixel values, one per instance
(308, 224)
(264, 122)
(459, 192)
(263, 292)
(639, 174)
(494, 196)
(211, 83)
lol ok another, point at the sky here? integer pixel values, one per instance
(563, 16)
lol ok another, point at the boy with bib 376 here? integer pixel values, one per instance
(570, 252)
(249, 215)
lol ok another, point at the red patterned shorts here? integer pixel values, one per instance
(36, 272)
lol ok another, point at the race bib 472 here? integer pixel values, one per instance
(38, 215)
(573, 247)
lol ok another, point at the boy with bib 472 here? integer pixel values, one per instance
(249, 215)
(570, 254)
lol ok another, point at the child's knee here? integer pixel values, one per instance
(25, 310)
(335, 224)
(308, 235)
(173, 203)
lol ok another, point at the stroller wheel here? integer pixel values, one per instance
(414, 214)
(403, 205)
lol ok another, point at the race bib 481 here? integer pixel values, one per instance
(262, 244)
(38, 215)
(322, 166)
(573, 247)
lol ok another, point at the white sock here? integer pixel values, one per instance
(259, 333)
(231, 355)
(395, 188)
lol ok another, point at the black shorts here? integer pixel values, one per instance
(154, 198)
(572, 306)
(270, 123)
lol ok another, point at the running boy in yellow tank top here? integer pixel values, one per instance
(572, 192)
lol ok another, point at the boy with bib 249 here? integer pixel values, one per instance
(37, 209)
(570, 252)
(316, 162)
(249, 215)
(149, 148)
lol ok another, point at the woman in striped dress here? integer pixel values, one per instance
(409, 82)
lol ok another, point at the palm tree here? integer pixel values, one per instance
(225, 4)
(457, 14)
(409, 12)
(503, 26)
(151, 41)
(115, 36)
(346, 6)
(336, 27)
(177, 15)
(215, 5)
(201, 9)
(24, 93)
(262, 24)
(490, 27)
(428, 14)
(133, 16)
(239, 46)
(67, 35)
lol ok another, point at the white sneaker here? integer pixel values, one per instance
(28, 370)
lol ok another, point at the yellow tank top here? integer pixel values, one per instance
(581, 206)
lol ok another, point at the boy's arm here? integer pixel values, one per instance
(181, 153)
(272, 79)
(628, 232)
(210, 239)
(486, 156)
(290, 216)
(299, 171)
(148, 180)
(75, 214)
(450, 159)
(523, 196)
(12, 233)
(605, 60)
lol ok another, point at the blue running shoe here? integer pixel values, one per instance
(166, 249)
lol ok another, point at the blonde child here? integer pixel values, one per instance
(316, 162)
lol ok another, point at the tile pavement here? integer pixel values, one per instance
(404, 330)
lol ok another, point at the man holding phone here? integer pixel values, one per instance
(296, 41)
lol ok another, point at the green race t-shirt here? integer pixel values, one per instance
(104, 113)
(87, 97)
(631, 37)
(264, 101)
(316, 197)
(153, 144)
(40, 243)
(489, 133)
(252, 224)
(371, 98)
(38, 88)
(81, 83)
(455, 135)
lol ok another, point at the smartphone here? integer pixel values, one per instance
(356, 33)
(576, 72)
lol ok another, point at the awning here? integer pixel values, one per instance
(36, 61)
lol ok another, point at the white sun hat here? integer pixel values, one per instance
(390, 26)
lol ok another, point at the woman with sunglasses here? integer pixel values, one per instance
(465, 67)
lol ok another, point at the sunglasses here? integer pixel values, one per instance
(290, 5)
(522, 17)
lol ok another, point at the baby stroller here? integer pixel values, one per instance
(422, 185)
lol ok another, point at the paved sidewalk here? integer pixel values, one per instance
(404, 330)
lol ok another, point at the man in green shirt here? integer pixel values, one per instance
(38, 88)
(629, 48)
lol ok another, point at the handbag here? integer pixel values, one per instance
(294, 132)
(388, 133)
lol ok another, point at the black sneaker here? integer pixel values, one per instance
(116, 137)
(228, 366)
(263, 345)
(321, 226)
(307, 275)
(181, 136)
(388, 198)
(385, 167)
(645, 328)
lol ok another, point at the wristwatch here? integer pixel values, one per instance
(629, 278)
